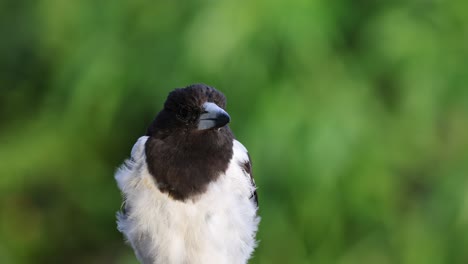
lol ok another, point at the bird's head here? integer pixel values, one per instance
(189, 143)
(194, 109)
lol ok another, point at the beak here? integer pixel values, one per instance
(213, 117)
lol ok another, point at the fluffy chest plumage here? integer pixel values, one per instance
(217, 226)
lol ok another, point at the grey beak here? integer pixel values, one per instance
(213, 117)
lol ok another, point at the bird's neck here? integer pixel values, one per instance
(183, 164)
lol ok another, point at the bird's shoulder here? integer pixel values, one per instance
(126, 172)
(138, 149)
(243, 157)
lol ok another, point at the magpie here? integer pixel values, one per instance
(189, 194)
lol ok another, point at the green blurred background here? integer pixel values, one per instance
(355, 114)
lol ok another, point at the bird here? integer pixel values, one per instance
(188, 189)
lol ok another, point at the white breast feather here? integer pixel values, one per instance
(217, 227)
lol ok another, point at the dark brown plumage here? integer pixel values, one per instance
(182, 158)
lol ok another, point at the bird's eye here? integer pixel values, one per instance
(183, 113)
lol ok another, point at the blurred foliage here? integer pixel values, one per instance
(355, 114)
